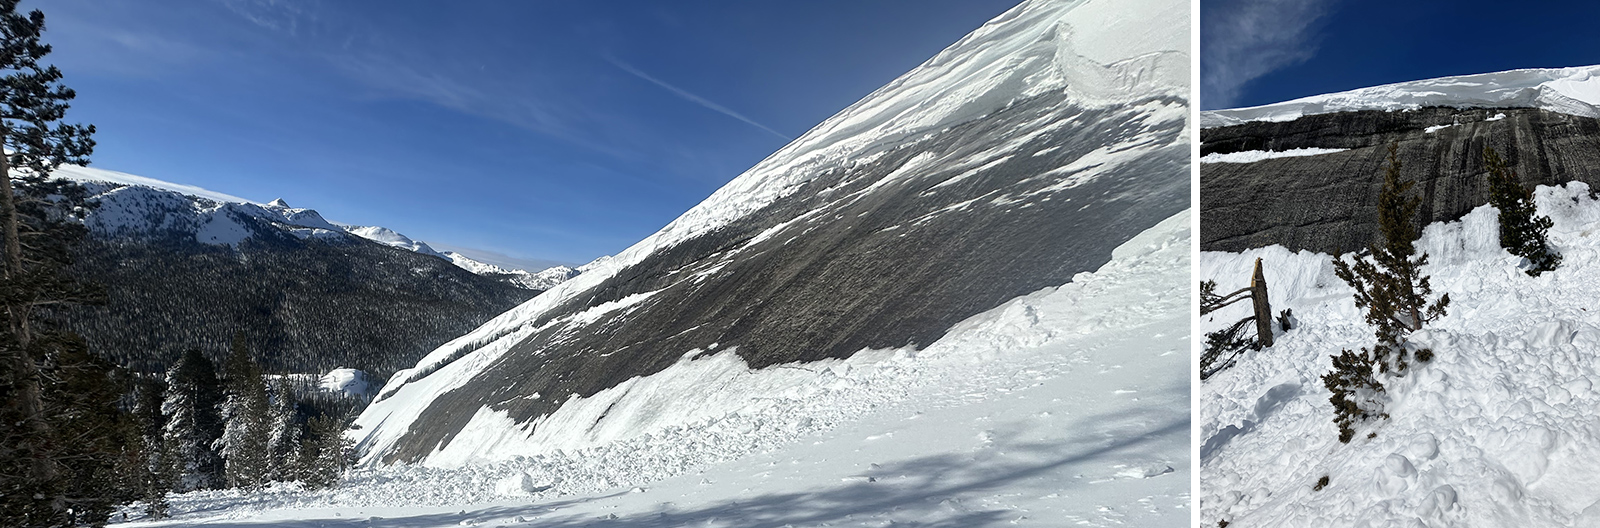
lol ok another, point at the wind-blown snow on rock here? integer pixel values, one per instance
(1573, 91)
(1498, 430)
(1018, 157)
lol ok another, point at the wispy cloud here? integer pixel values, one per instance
(395, 75)
(1242, 40)
(285, 16)
(692, 97)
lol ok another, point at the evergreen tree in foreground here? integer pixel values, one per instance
(1521, 233)
(284, 433)
(66, 449)
(1390, 286)
(324, 453)
(154, 474)
(244, 445)
(193, 424)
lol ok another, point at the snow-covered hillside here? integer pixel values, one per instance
(1498, 430)
(1573, 91)
(136, 207)
(1066, 406)
(1044, 75)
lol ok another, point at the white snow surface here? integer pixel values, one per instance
(1067, 406)
(1498, 430)
(350, 381)
(1099, 52)
(1574, 91)
(389, 237)
(1252, 156)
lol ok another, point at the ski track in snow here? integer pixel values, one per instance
(1498, 430)
(1065, 406)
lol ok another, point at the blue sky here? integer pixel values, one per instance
(536, 130)
(1256, 52)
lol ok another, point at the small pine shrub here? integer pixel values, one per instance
(1321, 483)
(1356, 393)
(1521, 233)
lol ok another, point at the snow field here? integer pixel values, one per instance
(1066, 405)
(1499, 429)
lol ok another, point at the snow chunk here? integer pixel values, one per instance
(349, 381)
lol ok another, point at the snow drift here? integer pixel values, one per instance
(1498, 430)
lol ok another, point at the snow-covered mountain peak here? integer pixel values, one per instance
(1574, 91)
(137, 206)
(389, 237)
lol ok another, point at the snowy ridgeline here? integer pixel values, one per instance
(1574, 91)
(136, 206)
(1499, 429)
(1067, 405)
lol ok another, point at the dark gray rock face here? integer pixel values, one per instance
(1328, 203)
(867, 257)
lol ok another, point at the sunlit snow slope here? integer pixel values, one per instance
(1015, 159)
(1499, 429)
(1067, 406)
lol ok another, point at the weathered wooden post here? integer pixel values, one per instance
(1258, 294)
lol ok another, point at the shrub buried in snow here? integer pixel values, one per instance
(1389, 284)
(1521, 233)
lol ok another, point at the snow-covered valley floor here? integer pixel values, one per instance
(1069, 406)
(1502, 428)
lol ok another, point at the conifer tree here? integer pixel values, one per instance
(66, 443)
(247, 416)
(284, 434)
(193, 424)
(324, 453)
(155, 478)
(1389, 284)
(1521, 233)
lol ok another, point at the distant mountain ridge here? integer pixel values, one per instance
(186, 267)
(138, 206)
